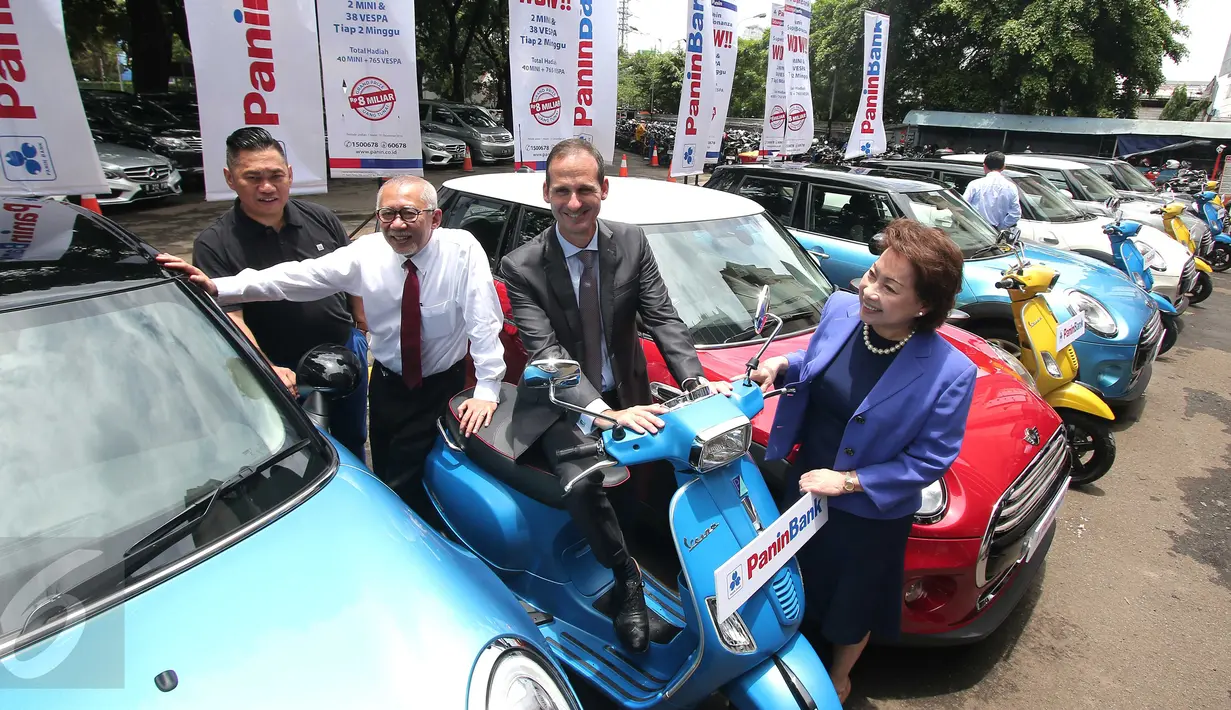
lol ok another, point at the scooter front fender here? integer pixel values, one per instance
(1167, 307)
(1202, 265)
(1222, 238)
(1077, 396)
(792, 678)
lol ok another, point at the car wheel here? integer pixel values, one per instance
(1003, 336)
(1093, 445)
(1220, 257)
(1203, 288)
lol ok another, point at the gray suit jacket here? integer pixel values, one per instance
(549, 321)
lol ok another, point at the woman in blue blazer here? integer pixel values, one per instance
(879, 413)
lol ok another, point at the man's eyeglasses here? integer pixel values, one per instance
(408, 214)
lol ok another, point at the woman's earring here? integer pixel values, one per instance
(920, 314)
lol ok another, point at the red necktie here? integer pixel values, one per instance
(412, 367)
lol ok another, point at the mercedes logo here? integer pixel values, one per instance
(1031, 436)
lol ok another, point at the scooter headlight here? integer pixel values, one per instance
(1153, 259)
(511, 675)
(1050, 364)
(721, 444)
(1098, 318)
(1015, 365)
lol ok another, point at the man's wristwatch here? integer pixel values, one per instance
(849, 485)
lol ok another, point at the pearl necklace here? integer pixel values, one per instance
(883, 351)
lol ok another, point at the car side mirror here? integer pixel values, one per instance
(876, 244)
(957, 315)
(558, 372)
(331, 370)
(1066, 193)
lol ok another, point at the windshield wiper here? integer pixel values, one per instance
(154, 544)
(987, 249)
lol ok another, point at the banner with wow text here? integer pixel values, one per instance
(257, 64)
(796, 32)
(773, 127)
(371, 87)
(868, 129)
(692, 128)
(45, 143)
(564, 64)
(726, 46)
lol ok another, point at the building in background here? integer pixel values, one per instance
(1220, 90)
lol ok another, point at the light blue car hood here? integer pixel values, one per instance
(348, 601)
(1129, 305)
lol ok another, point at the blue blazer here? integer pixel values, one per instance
(908, 430)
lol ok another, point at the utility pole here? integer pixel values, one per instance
(833, 86)
(623, 15)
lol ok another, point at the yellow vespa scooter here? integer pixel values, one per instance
(1048, 354)
(1176, 229)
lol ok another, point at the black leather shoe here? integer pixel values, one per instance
(632, 619)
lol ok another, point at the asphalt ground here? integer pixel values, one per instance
(1132, 608)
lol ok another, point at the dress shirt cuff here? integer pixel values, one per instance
(586, 423)
(487, 390)
(229, 289)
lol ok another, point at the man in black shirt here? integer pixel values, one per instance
(266, 227)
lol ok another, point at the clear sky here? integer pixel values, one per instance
(661, 23)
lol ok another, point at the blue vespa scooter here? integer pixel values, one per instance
(730, 621)
(1204, 208)
(1128, 259)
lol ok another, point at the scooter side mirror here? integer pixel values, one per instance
(331, 370)
(762, 314)
(1011, 235)
(561, 373)
(876, 244)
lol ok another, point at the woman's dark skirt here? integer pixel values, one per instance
(853, 575)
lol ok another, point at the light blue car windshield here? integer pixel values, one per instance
(954, 216)
(117, 412)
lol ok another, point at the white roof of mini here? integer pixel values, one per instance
(1025, 161)
(630, 200)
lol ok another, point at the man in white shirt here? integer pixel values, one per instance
(419, 351)
(994, 195)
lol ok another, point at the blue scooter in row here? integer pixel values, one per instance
(1205, 207)
(1128, 259)
(729, 622)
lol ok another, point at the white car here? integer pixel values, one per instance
(134, 174)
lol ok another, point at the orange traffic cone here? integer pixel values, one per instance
(670, 177)
(90, 202)
(654, 158)
(623, 165)
(467, 165)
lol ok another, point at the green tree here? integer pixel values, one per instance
(651, 80)
(1176, 108)
(748, 84)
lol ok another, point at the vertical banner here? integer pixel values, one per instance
(868, 130)
(692, 128)
(598, 63)
(725, 48)
(45, 142)
(258, 64)
(773, 127)
(543, 57)
(799, 123)
(563, 55)
(371, 88)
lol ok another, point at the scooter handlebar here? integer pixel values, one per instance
(1006, 283)
(581, 451)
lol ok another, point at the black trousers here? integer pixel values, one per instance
(402, 426)
(587, 502)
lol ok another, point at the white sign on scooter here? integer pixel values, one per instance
(737, 579)
(1069, 331)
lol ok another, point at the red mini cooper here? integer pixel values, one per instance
(982, 531)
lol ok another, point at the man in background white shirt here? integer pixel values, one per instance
(994, 195)
(419, 351)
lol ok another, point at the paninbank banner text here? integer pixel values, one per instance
(737, 579)
(257, 64)
(564, 63)
(726, 45)
(797, 30)
(45, 142)
(868, 130)
(773, 127)
(696, 114)
(371, 87)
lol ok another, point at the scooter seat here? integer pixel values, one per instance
(491, 448)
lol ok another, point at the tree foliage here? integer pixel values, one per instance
(651, 80)
(1180, 108)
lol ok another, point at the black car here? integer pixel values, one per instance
(126, 119)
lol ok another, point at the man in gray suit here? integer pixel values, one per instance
(576, 291)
